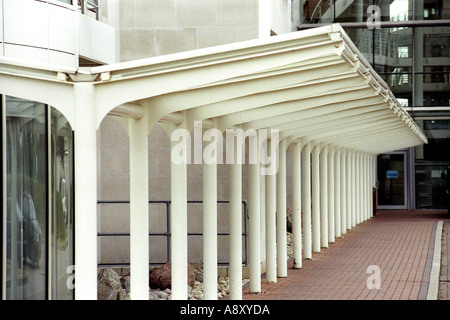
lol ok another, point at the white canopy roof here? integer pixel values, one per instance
(312, 84)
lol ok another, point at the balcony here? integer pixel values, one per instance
(55, 32)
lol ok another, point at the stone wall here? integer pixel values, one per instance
(150, 28)
(158, 27)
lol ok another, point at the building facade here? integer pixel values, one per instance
(38, 140)
(410, 48)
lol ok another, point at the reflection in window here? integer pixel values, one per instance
(402, 52)
(400, 10)
(38, 220)
(433, 9)
(62, 204)
(26, 199)
(437, 45)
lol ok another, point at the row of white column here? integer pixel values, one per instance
(331, 193)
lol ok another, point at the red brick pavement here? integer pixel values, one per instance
(395, 241)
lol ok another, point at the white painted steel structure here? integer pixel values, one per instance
(333, 113)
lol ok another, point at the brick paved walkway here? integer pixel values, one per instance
(398, 242)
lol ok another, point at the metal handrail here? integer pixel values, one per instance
(167, 233)
(90, 5)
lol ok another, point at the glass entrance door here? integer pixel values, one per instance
(391, 176)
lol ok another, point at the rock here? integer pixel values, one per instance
(123, 295)
(108, 284)
(162, 295)
(161, 277)
(153, 295)
(289, 219)
(198, 275)
(125, 283)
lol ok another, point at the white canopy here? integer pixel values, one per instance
(314, 86)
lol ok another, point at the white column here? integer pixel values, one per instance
(85, 148)
(372, 179)
(337, 192)
(306, 200)
(139, 229)
(271, 237)
(357, 189)
(369, 187)
(178, 223)
(210, 222)
(361, 188)
(235, 221)
(353, 188)
(315, 187)
(330, 186)
(344, 191)
(281, 212)
(296, 205)
(324, 197)
(348, 200)
(254, 223)
(366, 183)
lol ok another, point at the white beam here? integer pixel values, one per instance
(296, 204)
(331, 192)
(128, 110)
(85, 148)
(281, 212)
(337, 192)
(354, 196)
(254, 222)
(344, 191)
(323, 157)
(271, 234)
(315, 199)
(349, 187)
(210, 223)
(235, 221)
(178, 221)
(139, 220)
(306, 200)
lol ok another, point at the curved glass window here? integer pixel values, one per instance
(62, 242)
(38, 209)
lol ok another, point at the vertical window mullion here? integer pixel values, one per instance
(49, 202)
(4, 198)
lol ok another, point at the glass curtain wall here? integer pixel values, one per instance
(414, 61)
(38, 238)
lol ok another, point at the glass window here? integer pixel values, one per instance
(432, 66)
(393, 50)
(391, 180)
(438, 147)
(397, 10)
(36, 218)
(432, 9)
(351, 11)
(401, 86)
(321, 11)
(363, 39)
(433, 164)
(62, 242)
(26, 199)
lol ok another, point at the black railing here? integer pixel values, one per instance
(167, 234)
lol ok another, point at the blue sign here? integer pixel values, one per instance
(392, 174)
